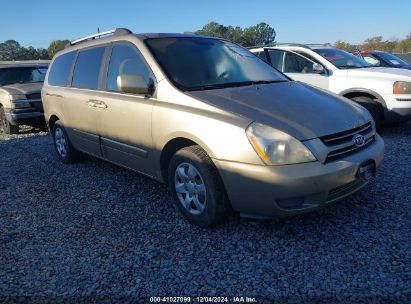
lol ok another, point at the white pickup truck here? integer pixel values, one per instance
(384, 92)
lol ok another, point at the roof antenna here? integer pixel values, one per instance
(98, 30)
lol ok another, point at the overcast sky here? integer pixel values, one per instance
(38, 22)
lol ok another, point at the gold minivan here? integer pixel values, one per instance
(225, 130)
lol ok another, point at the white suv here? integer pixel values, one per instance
(384, 92)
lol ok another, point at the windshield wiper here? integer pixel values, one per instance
(267, 81)
(233, 84)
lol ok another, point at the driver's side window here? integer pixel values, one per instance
(297, 64)
(125, 60)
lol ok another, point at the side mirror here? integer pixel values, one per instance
(134, 84)
(318, 68)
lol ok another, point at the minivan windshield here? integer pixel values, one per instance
(22, 75)
(342, 59)
(197, 63)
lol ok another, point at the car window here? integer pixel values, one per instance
(87, 68)
(276, 57)
(60, 69)
(125, 60)
(308, 56)
(297, 64)
(371, 60)
(197, 63)
(342, 59)
(22, 75)
(262, 55)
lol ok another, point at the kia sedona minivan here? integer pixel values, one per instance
(225, 130)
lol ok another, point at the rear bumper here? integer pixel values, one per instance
(23, 116)
(278, 191)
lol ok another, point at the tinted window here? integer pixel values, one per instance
(87, 68)
(60, 69)
(262, 55)
(22, 75)
(342, 59)
(207, 64)
(297, 64)
(276, 58)
(125, 60)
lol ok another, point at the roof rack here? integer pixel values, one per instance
(114, 32)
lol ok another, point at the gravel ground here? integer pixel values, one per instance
(94, 232)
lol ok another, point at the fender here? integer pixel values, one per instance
(362, 90)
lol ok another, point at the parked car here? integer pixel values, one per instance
(384, 59)
(206, 116)
(20, 94)
(384, 92)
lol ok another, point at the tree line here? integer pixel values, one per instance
(12, 50)
(378, 43)
(260, 34)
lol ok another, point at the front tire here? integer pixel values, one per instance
(197, 187)
(65, 150)
(5, 125)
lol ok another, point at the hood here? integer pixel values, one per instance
(23, 88)
(381, 72)
(300, 110)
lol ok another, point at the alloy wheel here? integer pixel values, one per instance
(190, 188)
(61, 142)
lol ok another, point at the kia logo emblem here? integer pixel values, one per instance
(358, 140)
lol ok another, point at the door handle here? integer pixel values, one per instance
(93, 103)
(53, 95)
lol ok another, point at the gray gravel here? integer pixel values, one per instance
(93, 231)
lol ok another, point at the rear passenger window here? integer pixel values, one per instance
(60, 69)
(87, 69)
(125, 60)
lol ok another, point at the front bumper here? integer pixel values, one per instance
(398, 108)
(276, 191)
(24, 116)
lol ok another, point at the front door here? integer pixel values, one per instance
(125, 119)
(299, 68)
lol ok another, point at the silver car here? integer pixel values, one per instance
(225, 130)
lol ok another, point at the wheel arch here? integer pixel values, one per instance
(52, 120)
(175, 143)
(360, 92)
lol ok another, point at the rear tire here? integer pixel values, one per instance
(65, 150)
(5, 125)
(373, 107)
(197, 187)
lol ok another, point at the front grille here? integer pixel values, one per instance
(34, 96)
(341, 144)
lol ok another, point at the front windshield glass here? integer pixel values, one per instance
(22, 75)
(392, 59)
(341, 59)
(205, 64)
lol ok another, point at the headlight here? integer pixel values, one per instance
(19, 101)
(402, 87)
(276, 147)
